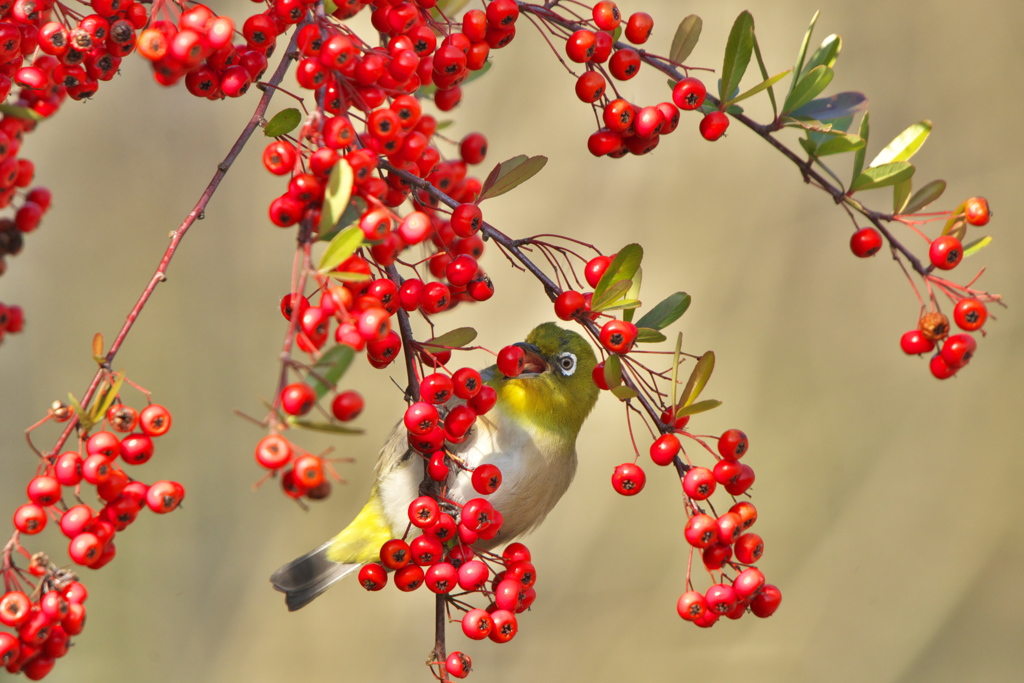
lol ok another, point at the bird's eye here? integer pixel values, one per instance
(567, 363)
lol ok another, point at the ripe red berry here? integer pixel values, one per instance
(436, 388)
(692, 605)
(308, 471)
(372, 577)
(164, 496)
(957, 350)
(699, 483)
(689, 93)
(676, 423)
(606, 15)
(748, 583)
(664, 449)
(970, 314)
(477, 624)
(568, 304)
(347, 405)
(624, 64)
(458, 664)
(749, 548)
(713, 125)
(628, 479)
(395, 554)
(721, 598)
(43, 490)
(155, 420)
(466, 220)
(409, 578)
(297, 398)
(732, 444)
(914, 342)
(639, 27)
(85, 548)
(946, 252)
(136, 449)
(590, 87)
(716, 555)
(766, 602)
(103, 443)
(618, 336)
(122, 418)
(273, 451)
(976, 211)
(484, 400)
(865, 242)
(486, 479)
(505, 626)
(29, 518)
(595, 269)
(424, 512)
(730, 525)
(701, 530)
(579, 47)
(511, 361)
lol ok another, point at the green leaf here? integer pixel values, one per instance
(976, 246)
(284, 122)
(330, 7)
(882, 176)
(613, 371)
(646, 335)
(441, 125)
(610, 296)
(627, 305)
(900, 194)
(798, 68)
(85, 423)
(836, 127)
(904, 145)
(675, 366)
(510, 174)
(101, 405)
(331, 366)
(737, 54)
(666, 312)
(633, 294)
(337, 194)
(624, 266)
(321, 426)
(624, 393)
(685, 39)
(836, 106)
(698, 407)
(826, 54)
(809, 146)
(20, 112)
(763, 85)
(346, 276)
(454, 339)
(810, 85)
(764, 75)
(925, 196)
(858, 158)
(699, 377)
(841, 144)
(355, 209)
(449, 7)
(340, 248)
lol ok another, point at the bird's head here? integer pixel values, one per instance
(555, 391)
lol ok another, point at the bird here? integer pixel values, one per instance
(530, 435)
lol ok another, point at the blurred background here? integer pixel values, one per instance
(887, 499)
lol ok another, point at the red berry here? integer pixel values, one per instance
(747, 513)
(701, 530)
(473, 575)
(914, 342)
(308, 471)
(699, 483)
(441, 578)
(716, 555)
(395, 554)
(639, 27)
(458, 664)
(732, 444)
(692, 605)
(372, 577)
(970, 314)
(580, 46)
(976, 211)
(939, 368)
(618, 336)
(484, 400)
(606, 15)
(436, 388)
(68, 469)
(713, 125)
(298, 398)
(748, 583)
(273, 451)
(866, 242)
(721, 598)
(136, 449)
(511, 361)
(664, 449)
(466, 220)
(409, 578)
(44, 490)
(957, 350)
(689, 93)
(15, 609)
(85, 548)
(164, 496)
(595, 269)
(749, 548)
(628, 479)
(486, 479)
(424, 512)
(766, 602)
(624, 64)
(477, 623)
(946, 252)
(29, 518)
(103, 443)
(155, 420)
(347, 405)
(590, 87)
(505, 626)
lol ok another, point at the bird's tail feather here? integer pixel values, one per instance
(305, 578)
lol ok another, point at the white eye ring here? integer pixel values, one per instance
(567, 363)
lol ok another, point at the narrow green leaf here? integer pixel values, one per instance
(331, 366)
(976, 246)
(836, 106)
(675, 366)
(809, 146)
(102, 405)
(883, 176)
(450, 7)
(858, 158)
(764, 75)
(841, 144)
(955, 220)
(283, 122)
(613, 371)
(810, 85)
(666, 312)
(455, 339)
(20, 112)
(901, 194)
(510, 174)
(624, 393)
(646, 335)
(685, 39)
(610, 296)
(330, 7)
(836, 127)
(627, 305)
(623, 267)
(925, 196)
(441, 125)
(346, 276)
(85, 423)
(355, 209)
(336, 196)
(798, 68)
(698, 407)
(340, 248)
(904, 145)
(699, 377)
(321, 426)
(737, 54)
(826, 54)
(633, 294)
(763, 85)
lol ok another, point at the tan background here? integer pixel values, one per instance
(888, 500)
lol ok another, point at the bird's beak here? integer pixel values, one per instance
(534, 364)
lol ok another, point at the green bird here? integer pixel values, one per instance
(529, 434)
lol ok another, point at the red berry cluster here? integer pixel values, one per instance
(12, 319)
(969, 312)
(44, 618)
